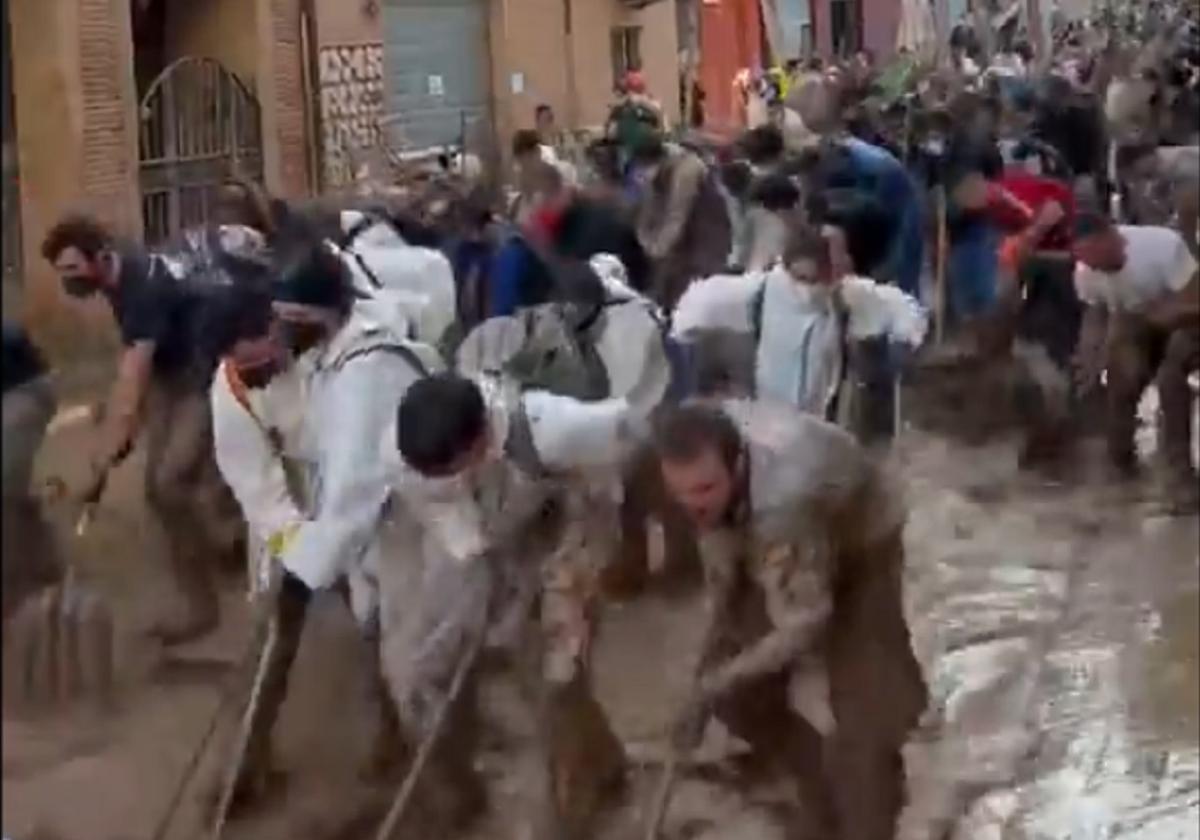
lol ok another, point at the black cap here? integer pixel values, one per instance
(313, 276)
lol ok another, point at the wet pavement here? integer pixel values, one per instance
(1058, 631)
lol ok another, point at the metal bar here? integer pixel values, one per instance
(166, 104)
(245, 731)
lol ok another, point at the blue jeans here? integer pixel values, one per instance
(971, 271)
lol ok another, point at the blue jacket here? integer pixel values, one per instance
(878, 170)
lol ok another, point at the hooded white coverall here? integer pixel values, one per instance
(798, 357)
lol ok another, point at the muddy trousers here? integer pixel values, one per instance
(851, 784)
(849, 788)
(185, 493)
(1141, 353)
(291, 612)
(581, 760)
(759, 714)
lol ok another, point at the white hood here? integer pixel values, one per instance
(417, 283)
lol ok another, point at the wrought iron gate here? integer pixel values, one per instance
(199, 127)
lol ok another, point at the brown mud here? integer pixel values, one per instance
(1056, 623)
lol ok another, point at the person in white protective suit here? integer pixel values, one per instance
(618, 337)
(509, 495)
(298, 442)
(417, 282)
(785, 333)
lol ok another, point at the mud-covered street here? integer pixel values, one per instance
(1056, 626)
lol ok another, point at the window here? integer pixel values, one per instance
(626, 51)
(845, 25)
(806, 40)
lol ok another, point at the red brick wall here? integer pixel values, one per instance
(288, 102)
(109, 141)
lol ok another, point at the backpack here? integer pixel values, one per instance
(633, 121)
(206, 269)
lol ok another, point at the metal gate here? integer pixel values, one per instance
(200, 126)
(436, 76)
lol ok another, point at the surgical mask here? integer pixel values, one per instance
(302, 336)
(79, 287)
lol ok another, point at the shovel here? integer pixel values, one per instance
(671, 767)
(61, 642)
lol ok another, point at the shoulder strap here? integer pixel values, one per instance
(519, 445)
(403, 351)
(756, 310)
(240, 393)
(842, 312)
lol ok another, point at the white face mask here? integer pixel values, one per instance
(806, 295)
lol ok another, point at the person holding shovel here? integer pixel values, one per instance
(509, 494)
(309, 387)
(810, 661)
(159, 397)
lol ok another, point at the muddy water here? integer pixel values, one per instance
(1058, 630)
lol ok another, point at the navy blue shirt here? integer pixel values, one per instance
(150, 304)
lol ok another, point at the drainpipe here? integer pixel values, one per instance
(312, 117)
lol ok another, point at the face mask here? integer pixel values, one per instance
(79, 287)
(934, 146)
(259, 376)
(300, 337)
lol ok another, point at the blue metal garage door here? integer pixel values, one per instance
(436, 77)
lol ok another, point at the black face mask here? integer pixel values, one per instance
(259, 376)
(79, 287)
(301, 337)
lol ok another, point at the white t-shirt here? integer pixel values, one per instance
(1157, 262)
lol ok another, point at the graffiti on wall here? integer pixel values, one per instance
(351, 84)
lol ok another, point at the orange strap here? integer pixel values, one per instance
(238, 388)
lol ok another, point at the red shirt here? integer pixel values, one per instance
(1005, 210)
(1034, 191)
(543, 224)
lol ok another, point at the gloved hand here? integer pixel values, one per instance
(93, 488)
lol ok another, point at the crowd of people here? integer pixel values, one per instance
(462, 413)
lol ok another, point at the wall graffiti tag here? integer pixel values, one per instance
(351, 86)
